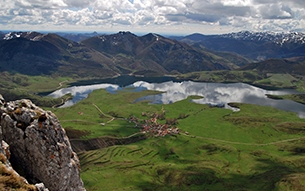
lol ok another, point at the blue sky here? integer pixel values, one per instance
(159, 16)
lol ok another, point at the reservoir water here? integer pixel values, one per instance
(218, 94)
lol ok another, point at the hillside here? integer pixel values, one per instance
(1, 34)
(154, 53)
(128, 145)
(258, 148)
(34, 53)
(293, 66)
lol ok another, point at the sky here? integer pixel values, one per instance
(158, 16)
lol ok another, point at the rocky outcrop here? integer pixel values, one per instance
(40, 149)
(7, 171)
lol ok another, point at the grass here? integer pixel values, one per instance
(186, 164)
(32, 83)
(295, 97)
(86, 117)
(278, 80)
(258, 148)
(18, 86)
(249, 76)
(223, 76)
(10, 181)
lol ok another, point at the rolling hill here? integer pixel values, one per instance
(293, 66)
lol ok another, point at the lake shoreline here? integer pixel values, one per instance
(173, 91)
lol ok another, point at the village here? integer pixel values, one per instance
(151, 125)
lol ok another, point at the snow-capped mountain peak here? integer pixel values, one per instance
(34, 36)
(278, 38)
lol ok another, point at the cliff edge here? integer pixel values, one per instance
(39, 147)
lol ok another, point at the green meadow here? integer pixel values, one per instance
(258, 148)
(269, 80)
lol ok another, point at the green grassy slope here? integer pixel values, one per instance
(17, 86)
(255, 77)
(258, 148)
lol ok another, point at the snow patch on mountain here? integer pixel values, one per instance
(34, 36)
(278, 38)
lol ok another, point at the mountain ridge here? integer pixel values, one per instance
(294, 66)
(252, 45)
(152, 54)
(35, 54)
(171, 55)
(106, 55)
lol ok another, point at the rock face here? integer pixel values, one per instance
(39, 146)
(14, 178)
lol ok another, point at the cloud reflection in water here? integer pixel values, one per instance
(81, 92)
(219, 94)
(213, 93)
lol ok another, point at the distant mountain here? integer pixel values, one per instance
(253, 45)
(153, 53)
(2, 34)
(293, 66)
(77, 37)
(196, 37)
(35, 54)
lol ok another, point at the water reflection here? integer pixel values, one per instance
(81, 92)
(218, 94)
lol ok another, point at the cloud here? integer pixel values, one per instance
(276, 11)
(231, 14)
(144, 17)
(77, 3)
(193, 17)
(102, 15)
(40, 4)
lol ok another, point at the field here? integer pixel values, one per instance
(269, 80)
(258, 148)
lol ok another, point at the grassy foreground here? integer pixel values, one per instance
(258, 148)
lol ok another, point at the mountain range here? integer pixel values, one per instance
(294, 66)
(257, 46)
(34, 53)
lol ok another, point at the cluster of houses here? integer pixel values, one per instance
(151, 125)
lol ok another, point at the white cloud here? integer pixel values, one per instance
(276, 11)
(40, 4)
(77, 3)
(199, 15)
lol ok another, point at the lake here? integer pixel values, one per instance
(216, 94)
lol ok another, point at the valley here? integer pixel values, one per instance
(216, 147)
(125, 144)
